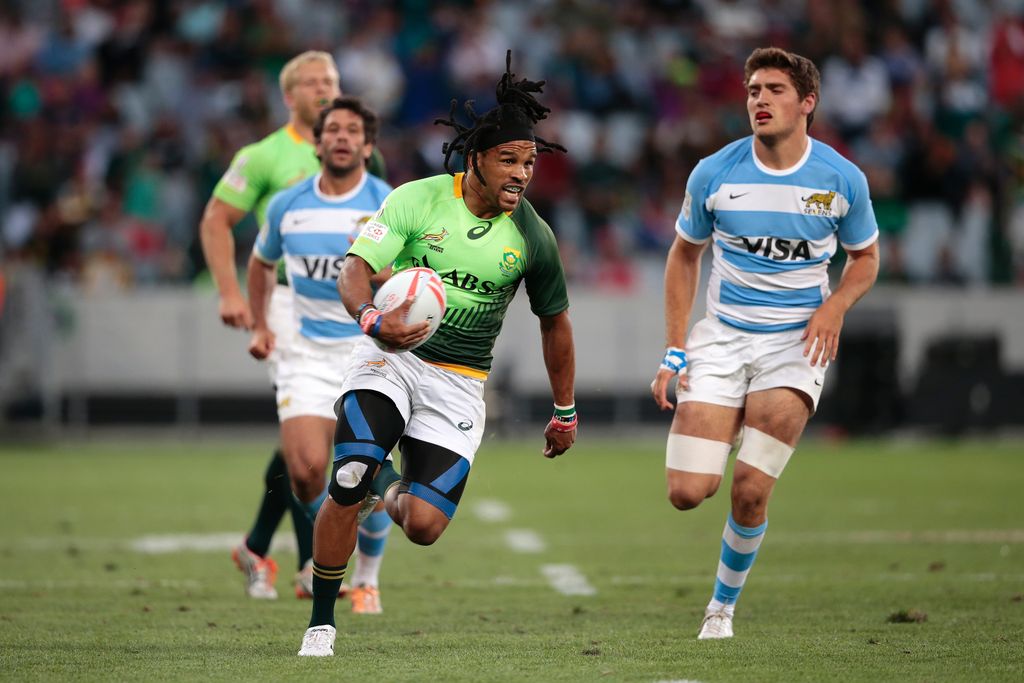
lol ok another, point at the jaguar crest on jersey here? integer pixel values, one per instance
(819, 203)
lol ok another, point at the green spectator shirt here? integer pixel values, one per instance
(426, 223)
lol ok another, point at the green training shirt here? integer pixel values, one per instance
(426, 223)
(275, 163)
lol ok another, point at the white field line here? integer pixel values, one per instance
(499, 582)
(949, 536)
(567, 580)
(119, 584)
(491, 510)
(525, 541)
(156, 544)
(226, 540)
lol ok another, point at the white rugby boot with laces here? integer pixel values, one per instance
(318, 642)
(260, 573)
(716, 624)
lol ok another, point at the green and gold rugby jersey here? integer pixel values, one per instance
(261, 170)
(426, 223)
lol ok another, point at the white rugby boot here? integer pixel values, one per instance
(304, 581)
(260, 573)
(367, 506)
(318, 642)
(716, 624)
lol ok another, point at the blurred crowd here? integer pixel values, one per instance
(117, 117)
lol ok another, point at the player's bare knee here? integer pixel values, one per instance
(687, 497)
(748, 501)
(423, 530)
(307, 484)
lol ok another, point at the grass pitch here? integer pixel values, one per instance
(882, 562)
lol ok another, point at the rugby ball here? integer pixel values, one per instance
(424, 286)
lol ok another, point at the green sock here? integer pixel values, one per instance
(326, 583)
(303, 529)
(385, 478)
(276, 496)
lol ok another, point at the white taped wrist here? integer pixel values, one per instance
(764, 452)
(694, 454)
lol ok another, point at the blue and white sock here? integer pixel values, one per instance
(373, 536)
(739, 548)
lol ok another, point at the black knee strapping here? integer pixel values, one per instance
(434, 474)
(369, 425)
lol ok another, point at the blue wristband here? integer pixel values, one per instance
(674, 360)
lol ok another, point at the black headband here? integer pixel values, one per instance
(503, 134)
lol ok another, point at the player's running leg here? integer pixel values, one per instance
(372, 539)
(775, 418)
(368, 428)
(251, 556)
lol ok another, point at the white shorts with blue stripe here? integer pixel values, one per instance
(440, 406)
(725, 363)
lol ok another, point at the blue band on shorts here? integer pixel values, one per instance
(372, 450)
(456, 473)
(431, 496)
(356, 419)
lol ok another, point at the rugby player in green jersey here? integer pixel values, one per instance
(484, 239)
(309, 83)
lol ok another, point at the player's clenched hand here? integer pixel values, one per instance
(234, 312)
(821, 336)
(672, 365)
(261, 344)
(560, 434)
(556, 443)
(395, 332)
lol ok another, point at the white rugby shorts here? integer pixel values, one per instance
(309, 380)
(281, 321)
(724, 364)
(440, 406)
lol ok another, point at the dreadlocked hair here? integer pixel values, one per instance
(517, 109)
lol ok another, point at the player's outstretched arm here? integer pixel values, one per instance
(560, 360)
(682, 272)
(821, 336)
(218, 243)
(260, 279)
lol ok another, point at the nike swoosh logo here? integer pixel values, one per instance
(737, 196)
(818, 382)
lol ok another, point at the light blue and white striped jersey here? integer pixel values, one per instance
(774, 231)
(312, 232)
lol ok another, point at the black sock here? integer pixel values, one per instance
(276, 498)
(326, 582)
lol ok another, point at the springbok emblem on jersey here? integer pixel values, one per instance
(822, 199)
(435, 237)
(511, 261)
